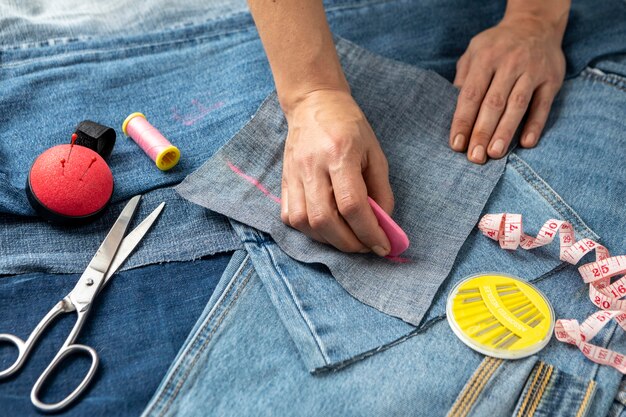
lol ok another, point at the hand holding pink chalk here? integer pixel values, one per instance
(397, 238)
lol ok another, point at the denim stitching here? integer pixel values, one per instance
(530, 391)
(460, 401)
(193, 345)
(540, 391)
(310, 326)
(418, 330)
(237, 17)
(584, 406)
(477, 384)
(340, 365)
(149, 47)
(550, 196)
(613, 80)
(205, 343)
(481, 386)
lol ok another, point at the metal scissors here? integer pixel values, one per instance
(111, 254)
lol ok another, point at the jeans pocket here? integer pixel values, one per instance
(523, 388)
(610, 70)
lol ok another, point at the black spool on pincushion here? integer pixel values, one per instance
(70, 183)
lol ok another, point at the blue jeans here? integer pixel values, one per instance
(278, 332)
(198, 71)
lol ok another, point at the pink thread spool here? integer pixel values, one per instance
(154, 144)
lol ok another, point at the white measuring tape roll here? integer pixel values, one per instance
(507, 230)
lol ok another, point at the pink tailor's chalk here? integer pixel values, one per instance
(398, 239)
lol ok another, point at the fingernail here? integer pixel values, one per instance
(458, 142)
(380, 251)
(530, 139)
(478, 154)
(498, 147)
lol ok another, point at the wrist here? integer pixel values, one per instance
(291, 98)
(548, 20)
(323, 105)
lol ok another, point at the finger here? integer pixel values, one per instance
(297, 214)
(491, 110)
(516, 107)
(351, 197)
(467, 105)
(538, 114)
(324, 218)
(376, 177)
(462, 67)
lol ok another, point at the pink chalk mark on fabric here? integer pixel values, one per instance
(398, 259)
(254, 182)
(191, 118)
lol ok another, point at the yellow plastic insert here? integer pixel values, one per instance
(500, 315)
(167, 158)
(129, 118)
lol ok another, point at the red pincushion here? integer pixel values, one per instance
(71, 181)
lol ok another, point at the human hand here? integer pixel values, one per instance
(332, 162)
(514, 67)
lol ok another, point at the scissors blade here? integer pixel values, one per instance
(106, 252)
(131, 241)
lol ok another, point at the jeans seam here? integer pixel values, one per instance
(303, 315)
(546, 191)
(610, 79)
(140, 46)
(475, 385)
(460, 402)
(216, 33)
(584, 404)
(530, 391)
(347, 362)
(542, 388)
(201, 350)
(479, 388)
(193, 350)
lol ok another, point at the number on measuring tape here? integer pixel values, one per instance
(507, 229)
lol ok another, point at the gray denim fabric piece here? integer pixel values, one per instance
(439, 194)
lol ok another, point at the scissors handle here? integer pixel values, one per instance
(24, 347)
(63, 353)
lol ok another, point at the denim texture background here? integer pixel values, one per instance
(137, 326)
(199, 73)
(308, 339)
(64, 61)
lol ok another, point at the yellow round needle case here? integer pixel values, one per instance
(500, 315)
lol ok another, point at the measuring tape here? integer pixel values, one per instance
(507, 229)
